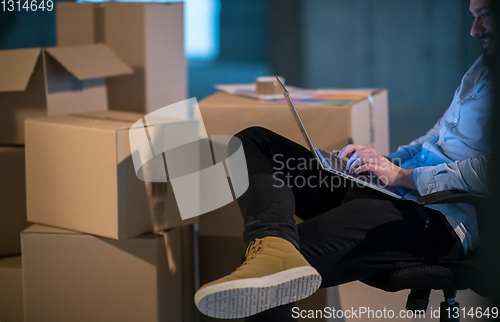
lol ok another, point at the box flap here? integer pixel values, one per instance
(83, 121)
(35, 229)
(16, 67)
(90, 61)
(13, 262)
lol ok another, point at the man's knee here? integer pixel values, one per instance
(254, 132)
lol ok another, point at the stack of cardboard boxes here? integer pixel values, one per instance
(148, 37)
(12, 221)
(105, 246)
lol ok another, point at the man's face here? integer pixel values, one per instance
(483, 27)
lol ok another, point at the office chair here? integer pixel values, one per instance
(449, 277)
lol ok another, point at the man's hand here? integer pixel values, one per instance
(368, 158)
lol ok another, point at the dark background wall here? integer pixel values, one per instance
(27, 29)
(244, 53)
(418, 50)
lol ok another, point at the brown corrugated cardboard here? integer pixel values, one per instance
(149, 37)
(356, 295)
(11, 290)
(29, 97)
(76, 277)
(12, 200)
(36, 82)
(19, 65)
(80, 176)
(89, 61)
(329, 126)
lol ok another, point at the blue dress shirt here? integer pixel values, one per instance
(452, 155)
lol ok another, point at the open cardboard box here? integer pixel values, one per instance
(76, 277)
(80, 176)
(148, 36)
(52, 81)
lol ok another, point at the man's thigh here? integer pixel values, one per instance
(275, 162)
(369, 234)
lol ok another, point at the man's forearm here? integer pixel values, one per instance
(405, 179)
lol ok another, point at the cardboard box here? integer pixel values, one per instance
(148, 36)
(80, 176)
(11, 290)
(52, 81)
(12, 200)
(329, 126)
(356, 295)
(76, 277)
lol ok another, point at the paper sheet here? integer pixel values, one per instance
(302, 96)
(248, 90)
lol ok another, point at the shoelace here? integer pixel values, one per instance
(253, 248)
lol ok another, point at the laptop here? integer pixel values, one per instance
(331, 163)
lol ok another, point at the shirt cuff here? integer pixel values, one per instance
(424, 180)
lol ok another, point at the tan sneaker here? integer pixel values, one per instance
(274, 273)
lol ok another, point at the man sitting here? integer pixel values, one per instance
(351, 233)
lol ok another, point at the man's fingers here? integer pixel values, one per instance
(367, 165)
(363, 168)
(363, 156)
(360, 161)
(355, 164)
(355, 148)
(348, 149)
(351, 160)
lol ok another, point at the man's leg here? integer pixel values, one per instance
(369, 234)
(284, 178)
(338, 220)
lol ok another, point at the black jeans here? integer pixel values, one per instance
(349, 233)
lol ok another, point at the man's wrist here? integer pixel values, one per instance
(405, 179)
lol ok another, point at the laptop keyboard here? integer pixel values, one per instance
(367, 178)
(333, 161)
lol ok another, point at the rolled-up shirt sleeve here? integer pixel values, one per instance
(406, 152)
(468, 175)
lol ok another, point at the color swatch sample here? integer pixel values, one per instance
(325, 97)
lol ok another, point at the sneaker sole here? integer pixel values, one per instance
(249, 296)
